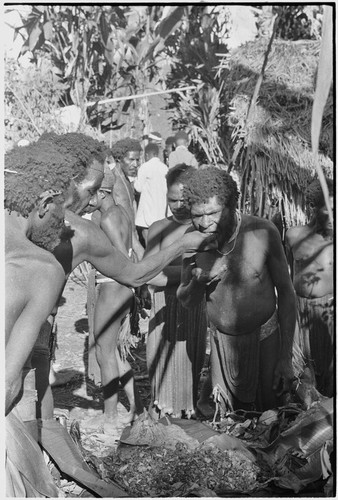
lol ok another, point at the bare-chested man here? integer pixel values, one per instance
(310, 254)
(249, 295)
(77, 173)
(176, 339)
(112, 317)
(29, 271)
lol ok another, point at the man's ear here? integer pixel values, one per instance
(45, 199)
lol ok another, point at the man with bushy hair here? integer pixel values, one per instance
(311, 258)
(77, 175)
(252, 325)
(74, 164)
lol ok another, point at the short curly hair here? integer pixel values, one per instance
(50, 162)
(122, 147)
(208, 182)
(179, 174)
(314, 194)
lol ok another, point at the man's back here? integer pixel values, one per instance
(29, 300)
(182, 155)
(151, 183)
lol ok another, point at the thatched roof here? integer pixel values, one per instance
(274, 150)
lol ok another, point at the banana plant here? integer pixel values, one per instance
(102, 51)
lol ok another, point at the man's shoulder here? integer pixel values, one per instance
(259, 227)
(162, 226)
(295, 233)
(116, 214)
(256, 223)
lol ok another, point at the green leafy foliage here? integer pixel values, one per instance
(32, 98)
(101, 52)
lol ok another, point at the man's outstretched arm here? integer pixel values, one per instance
(95, 247)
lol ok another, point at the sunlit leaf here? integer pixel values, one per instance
(34, 37)
(48, 30)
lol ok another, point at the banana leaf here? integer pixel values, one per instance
(26, 472)
(56, 441)
(301, 453)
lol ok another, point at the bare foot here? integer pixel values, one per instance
(129, 418)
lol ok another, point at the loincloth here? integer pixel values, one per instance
(235, 360)
(313, 340)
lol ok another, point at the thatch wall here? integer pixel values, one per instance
(273, 151)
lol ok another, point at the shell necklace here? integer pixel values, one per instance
(233, 236)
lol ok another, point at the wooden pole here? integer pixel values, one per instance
(138, 96)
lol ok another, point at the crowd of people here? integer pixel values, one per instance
(168, 231)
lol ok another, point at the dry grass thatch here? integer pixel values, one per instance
(273, 151)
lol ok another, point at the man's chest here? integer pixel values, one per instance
(314, 251)
(235, 268)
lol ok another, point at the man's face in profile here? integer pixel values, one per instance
(81, 194)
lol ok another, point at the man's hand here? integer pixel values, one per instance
(195, 241)
(208, 277)
(283, 377)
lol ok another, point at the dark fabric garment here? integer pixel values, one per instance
(175, 351)
(240, 363)
(235, 364)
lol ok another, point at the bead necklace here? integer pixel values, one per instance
(233, 236)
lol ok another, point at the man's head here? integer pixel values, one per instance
(126, 152)
(151, 151)
(176, 180)
(182, 139)
(315, 201)
(69, 164)
(170, 144)
(212, 196)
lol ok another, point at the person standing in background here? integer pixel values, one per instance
(310, 254)
(151, 184)
(176, 340)
(168, 148)
(181, 153)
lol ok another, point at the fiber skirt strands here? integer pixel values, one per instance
(175, 351)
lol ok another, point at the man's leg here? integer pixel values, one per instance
(113, 303)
